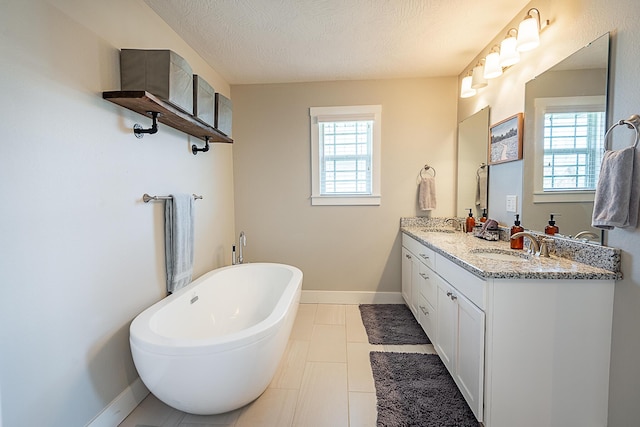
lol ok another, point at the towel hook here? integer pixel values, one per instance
(427, 168)
(632, 122)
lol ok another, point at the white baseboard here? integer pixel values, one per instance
(347, 297)
(121, 406)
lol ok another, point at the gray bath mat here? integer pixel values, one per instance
(391, 324)
(416, 390)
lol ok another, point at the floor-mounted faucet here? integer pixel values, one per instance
(242, 242)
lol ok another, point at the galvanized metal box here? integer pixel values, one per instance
(203, 100)
(163, 73)
(223, 114)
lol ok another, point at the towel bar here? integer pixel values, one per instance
(147, 198)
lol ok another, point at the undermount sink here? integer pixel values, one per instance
(437, 230)
(501, 254)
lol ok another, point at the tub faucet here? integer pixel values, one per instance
(242, 242)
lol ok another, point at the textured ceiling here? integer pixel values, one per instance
(276, 41)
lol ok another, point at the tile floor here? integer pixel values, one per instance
(324, 379)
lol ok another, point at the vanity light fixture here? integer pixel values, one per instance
(466, 91)
(529, 31)
(477, 80)
(492, 68)
(525, 38)
(508, 53)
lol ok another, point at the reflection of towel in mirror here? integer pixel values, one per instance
(178, 229)
(427, 193)
(481, 189)
(617, 196)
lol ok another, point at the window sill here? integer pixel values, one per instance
(350, 200)
(563, 196)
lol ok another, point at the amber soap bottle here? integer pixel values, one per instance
(471, 222)
(484, 215)
(518, 242)
(552, 228)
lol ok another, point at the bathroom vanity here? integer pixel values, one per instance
(526, 339)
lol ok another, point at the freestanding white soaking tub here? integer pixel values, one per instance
(214, 345)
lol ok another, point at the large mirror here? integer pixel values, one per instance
(473, 172)
(565, 123)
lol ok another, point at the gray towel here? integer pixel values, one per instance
(617, 196)
(481, 188)
(427, 193)
(178, 231)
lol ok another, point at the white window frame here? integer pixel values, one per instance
(556, 104)
(346, 113)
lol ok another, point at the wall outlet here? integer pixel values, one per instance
(512, 203)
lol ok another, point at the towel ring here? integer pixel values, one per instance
(632, 122)
(426, 168)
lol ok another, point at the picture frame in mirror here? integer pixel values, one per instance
(505, 140)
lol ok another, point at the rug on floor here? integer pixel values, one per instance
(391, 324)
(416, 390)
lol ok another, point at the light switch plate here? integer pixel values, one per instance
(512, 203)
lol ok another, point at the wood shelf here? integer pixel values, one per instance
(144, 103)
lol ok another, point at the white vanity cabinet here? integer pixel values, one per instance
(523, 352)
(418, 288)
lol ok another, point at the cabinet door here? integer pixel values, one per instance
(407, 276)
(446, 327)
(469, 372)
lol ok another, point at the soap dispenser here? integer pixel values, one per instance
(484, 215)
(518, 242)
(471, 222)
(552, 228)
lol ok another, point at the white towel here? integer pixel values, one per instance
(617, 196)
(178, 231)
(481, 189)
(427, 193)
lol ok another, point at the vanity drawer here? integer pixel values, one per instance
(427, 317)
(428, 287)
(468, 284)
(424, 254)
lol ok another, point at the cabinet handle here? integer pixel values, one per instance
(449, 294)
(424, 256)
(408, 256)
(424, 276)
(424, 311)
(453, 297)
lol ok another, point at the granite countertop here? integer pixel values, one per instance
(463, 248)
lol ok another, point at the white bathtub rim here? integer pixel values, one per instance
(142, 336)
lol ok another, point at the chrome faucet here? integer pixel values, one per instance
(242, 242)
(537, 247)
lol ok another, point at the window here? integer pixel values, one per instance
(573, 147)
(345, 154)
(569, 147)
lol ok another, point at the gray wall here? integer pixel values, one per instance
(80, 254)
(339, 248)
(574, 24)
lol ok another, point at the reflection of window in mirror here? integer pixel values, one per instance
(569, 143)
